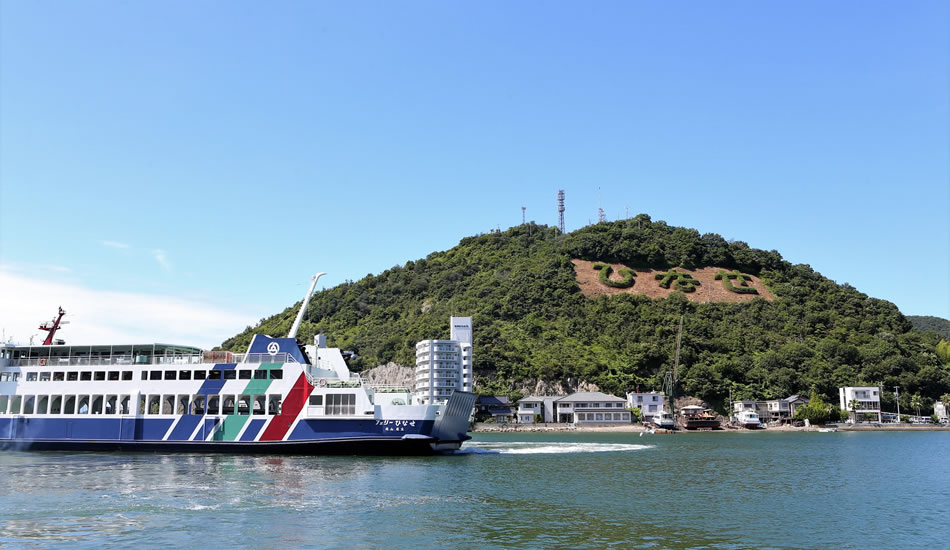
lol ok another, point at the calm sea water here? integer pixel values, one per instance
(752, 490)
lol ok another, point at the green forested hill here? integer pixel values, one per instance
(926, 323)
(532, 322)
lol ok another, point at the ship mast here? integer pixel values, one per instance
(303, 306)
(53, 326)
(669, 381)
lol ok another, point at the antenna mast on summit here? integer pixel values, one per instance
(560, 210)
(601, 217)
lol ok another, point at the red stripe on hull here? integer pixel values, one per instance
(289, 410)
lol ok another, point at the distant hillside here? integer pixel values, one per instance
(926, 323)
(533, 322)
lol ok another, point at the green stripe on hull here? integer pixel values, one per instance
(230, 427)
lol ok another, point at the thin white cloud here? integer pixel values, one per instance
(109, 317)
(114, 244)
(162, 258)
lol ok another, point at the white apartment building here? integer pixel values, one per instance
(650, 404)
(868, 398)
(444, 366)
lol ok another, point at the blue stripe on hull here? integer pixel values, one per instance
(103, 428)
(253, 428)
(213, 387)
(185, 427)
(310, 428)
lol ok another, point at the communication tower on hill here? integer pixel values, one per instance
(560, 210)
(601, 216)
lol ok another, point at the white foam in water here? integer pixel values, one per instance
(525, 448)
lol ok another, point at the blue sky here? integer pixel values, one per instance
(175, 171)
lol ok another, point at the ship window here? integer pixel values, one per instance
(69, 404)
(214, 375)
(260, 375)
(171, 375)
(124, 404)
(28, 402)
(85, 376)
(200, 375)
(144, 375)
(168, 404)
(228, 404)
(229, 374)
(100, 375)
(316, 400)
(155, 375)
(4, 401)
(96, 404)
(83, 404)
(55, 407)
(15, 404)
(341, 403)
(214, 404)
(58, 377)
(31, 377)
(273, 404)
(198, 404)
(153, 404)
(127, 374)
(244, 374)
(72, 376)
(184, 375)
(259, 404)
(113, 375)
(141, 405)
(276, 374)
(182, 404)
(244, 404)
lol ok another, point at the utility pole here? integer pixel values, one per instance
(897, 397)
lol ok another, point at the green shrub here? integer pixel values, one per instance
(728, 276)
(684, 281)
(606, 270)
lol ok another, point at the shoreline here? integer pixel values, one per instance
(640, 428)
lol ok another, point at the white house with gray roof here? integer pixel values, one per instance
(591, 408)
(534, 407)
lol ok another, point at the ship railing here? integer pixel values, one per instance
(354, 382)
(258, 358)
(107, 360)
(389, 388)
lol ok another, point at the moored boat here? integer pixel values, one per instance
(664, 420)
(695, 417)
(749, 420)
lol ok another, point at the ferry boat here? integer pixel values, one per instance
(279, 397)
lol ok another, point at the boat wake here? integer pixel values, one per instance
(527, 448)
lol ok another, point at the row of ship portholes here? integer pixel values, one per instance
(148, 404)
(112, 376)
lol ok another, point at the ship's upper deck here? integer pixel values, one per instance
(139, 354)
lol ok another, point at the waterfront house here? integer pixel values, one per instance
(784, 409)
(496, 407)
(940, 409)
(650, 404)
(868, 401)
(592, 408)
(532, 407)
(760, 408)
